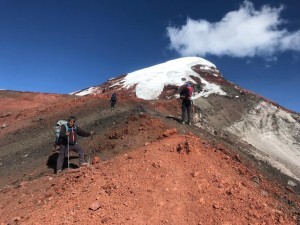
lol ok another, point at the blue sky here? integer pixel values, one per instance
(61, 46)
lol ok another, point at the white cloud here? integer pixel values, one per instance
(243, 33)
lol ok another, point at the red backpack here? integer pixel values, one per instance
(186, 92)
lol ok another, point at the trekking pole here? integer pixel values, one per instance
(68, 152)
(89, 161)
(193, 112)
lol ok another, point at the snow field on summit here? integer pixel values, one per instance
(152, 80)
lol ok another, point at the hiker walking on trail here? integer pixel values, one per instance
(187, 104)
(68, 142)
(113, 100)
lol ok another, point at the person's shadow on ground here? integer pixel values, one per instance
(52, 160)
(174, 118)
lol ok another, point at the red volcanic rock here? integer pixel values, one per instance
(170, 132)
(95, 205)
(95, 160)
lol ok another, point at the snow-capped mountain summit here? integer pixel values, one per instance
(149, 83)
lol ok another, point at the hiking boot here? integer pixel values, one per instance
(83, 164)
(182, 122)
(190, 124)
(58, 172)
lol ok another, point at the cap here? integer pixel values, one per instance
(188, 84)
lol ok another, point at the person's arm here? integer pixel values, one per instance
(182, 93)
(83, 133)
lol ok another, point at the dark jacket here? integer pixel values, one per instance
(74, 131)
(113, 98)
(186, 93)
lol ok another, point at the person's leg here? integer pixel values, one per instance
(61, 157)
(112, 105)
(189, 112)
(76, 148)
(183, 114)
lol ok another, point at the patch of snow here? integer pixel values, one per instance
(268, 129)
(72, 93)
(86, 91)
(210, 88)
(292, 183)
(119, 83)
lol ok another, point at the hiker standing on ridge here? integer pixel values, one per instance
(113, 100)
(187, 104)
(68, 142)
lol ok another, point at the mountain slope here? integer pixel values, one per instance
(221, 107)
(158, 175)
(275, 133)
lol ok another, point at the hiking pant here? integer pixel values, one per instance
(112, 104)
(186, 109)
(63, 152)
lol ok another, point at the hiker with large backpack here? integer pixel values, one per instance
(113, 101)
(67, 141)
(187, 103)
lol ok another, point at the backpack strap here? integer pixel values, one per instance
(67, 128)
